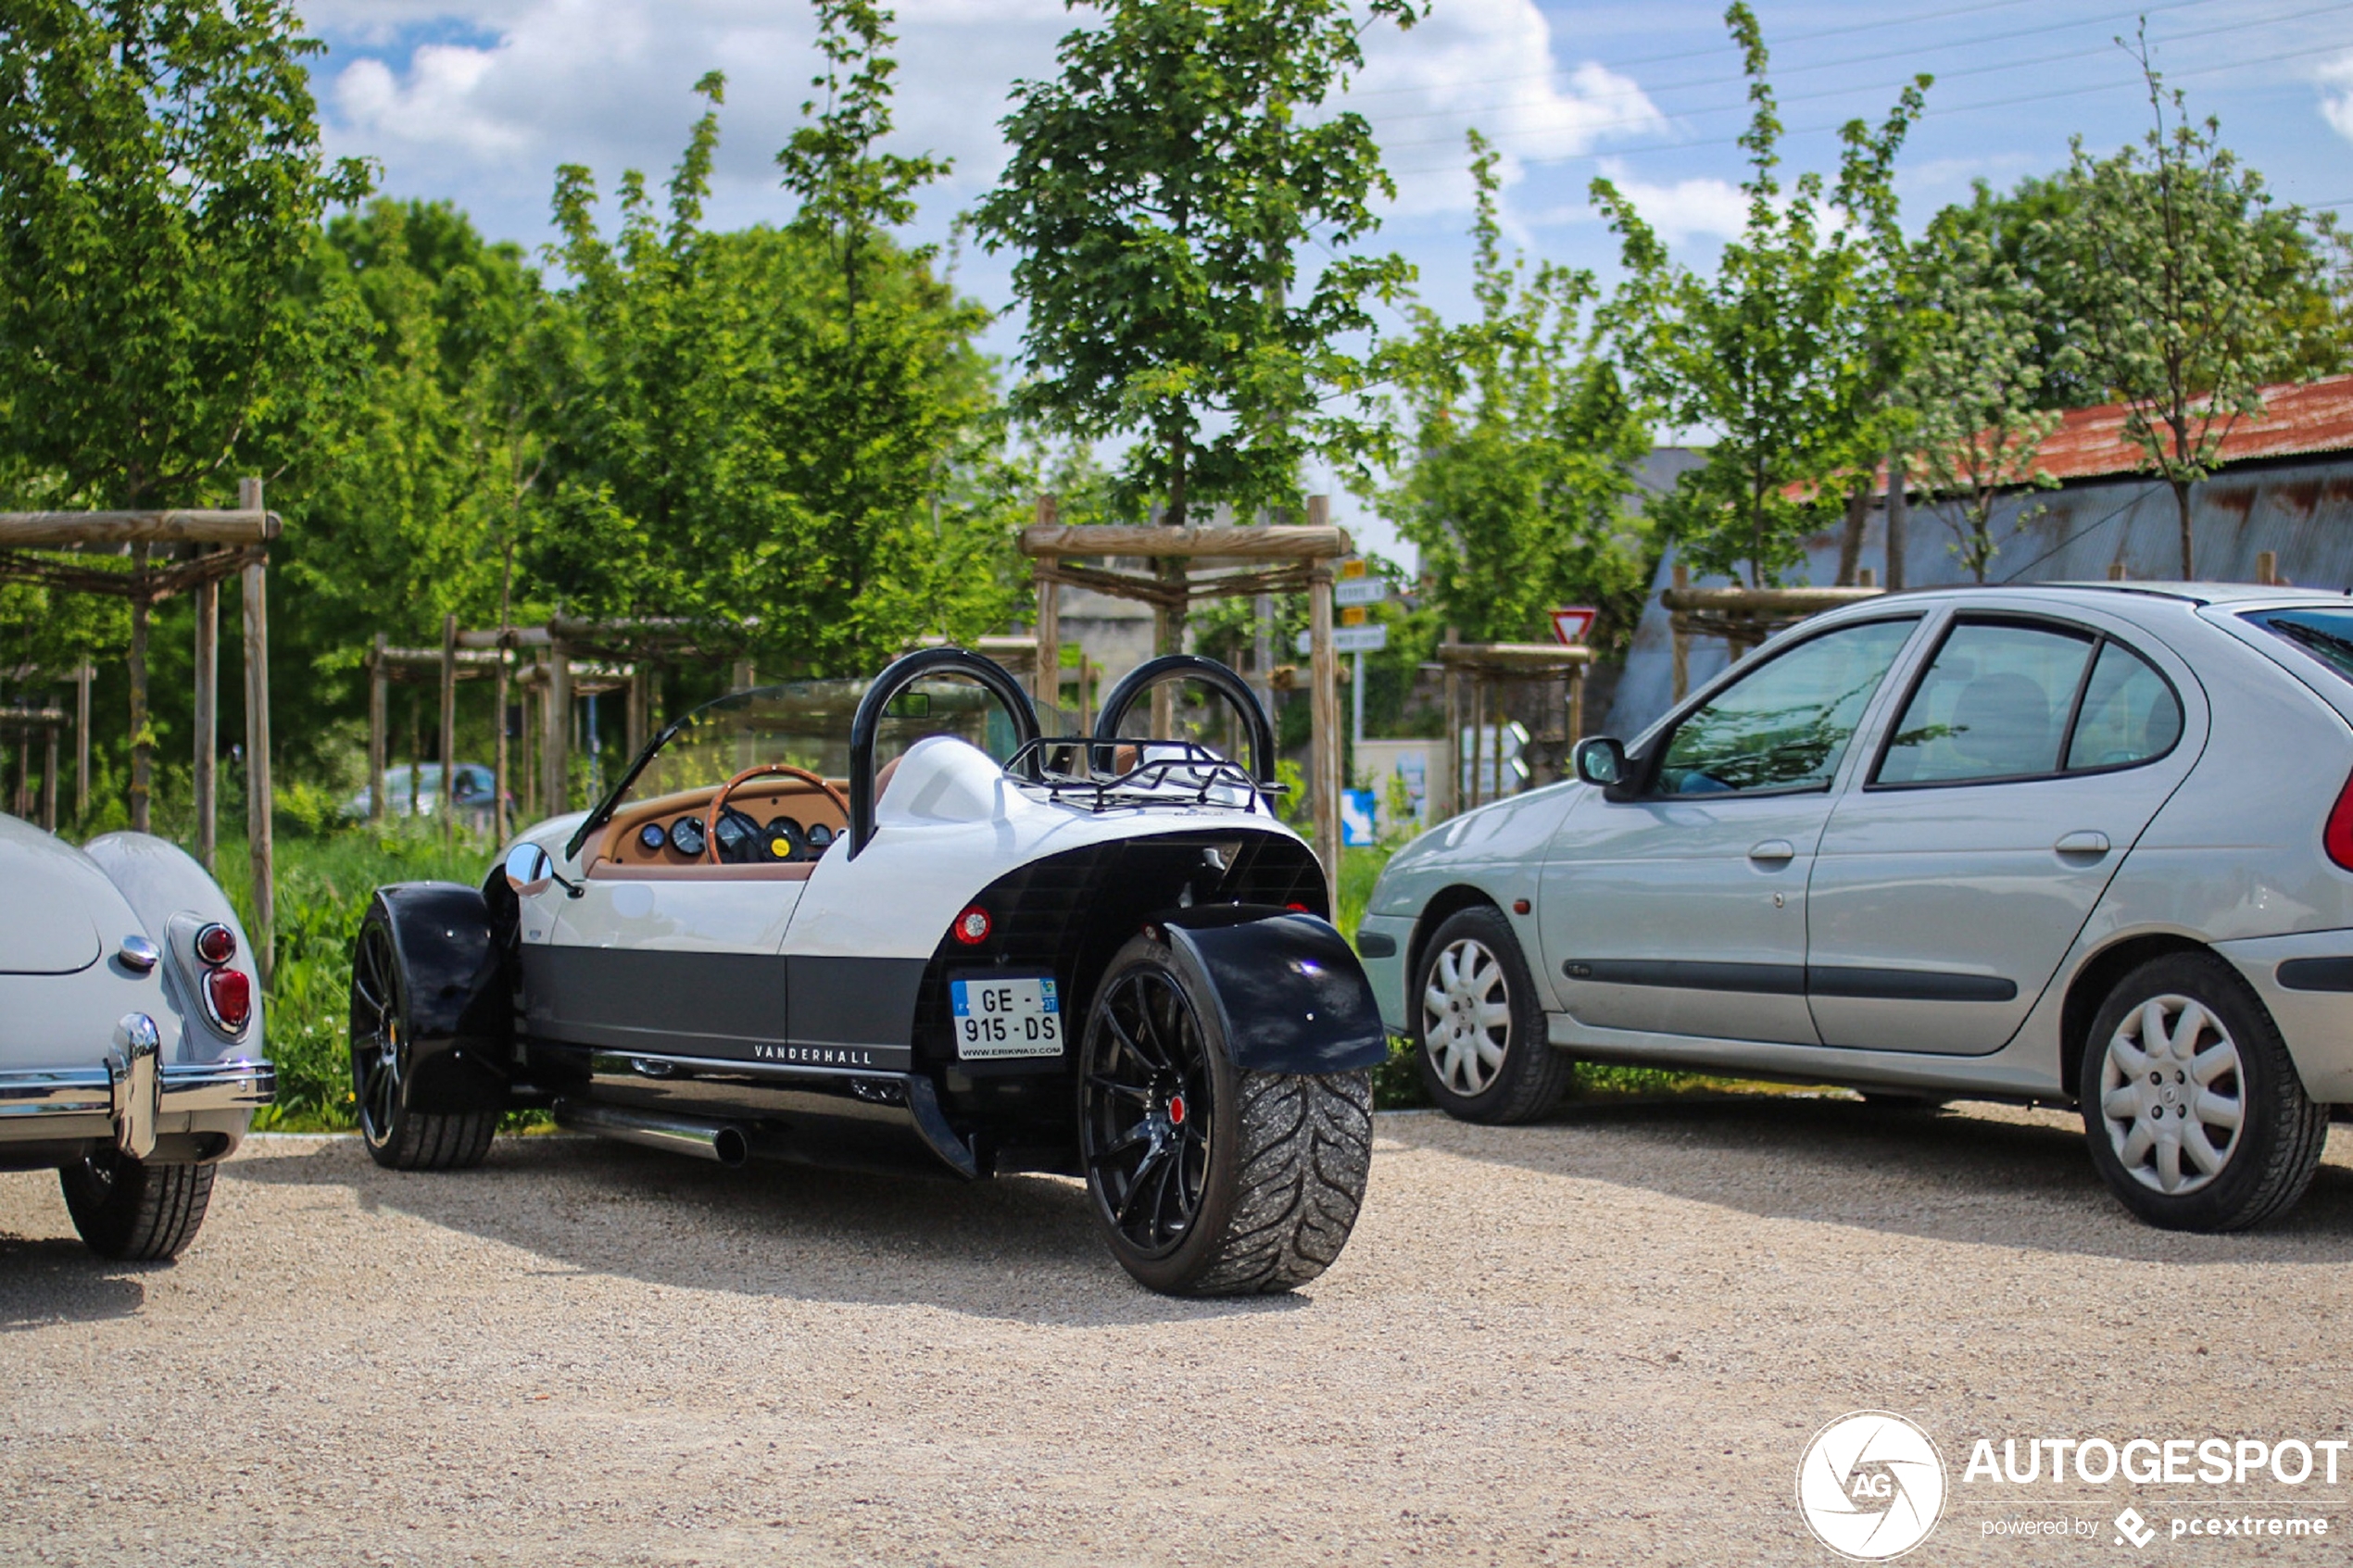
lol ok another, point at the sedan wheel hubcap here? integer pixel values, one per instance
(1467, 1016)
(2173, 1095)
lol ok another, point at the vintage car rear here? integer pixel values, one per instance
(130, 1049)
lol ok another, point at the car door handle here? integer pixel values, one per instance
(1773, 849)
(2082, 842)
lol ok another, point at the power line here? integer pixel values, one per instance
(1935, 109)
(1684, 54)
(2236, 25)
(1914, 50)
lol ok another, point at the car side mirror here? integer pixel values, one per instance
(1602, 761)
(528, 869)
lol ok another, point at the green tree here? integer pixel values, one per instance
(1787, 355)
(1160, 192)
(1522, 449)
(2171, 260)
(436, 449)
(794, 458)
(1973, 387)
(160, 180)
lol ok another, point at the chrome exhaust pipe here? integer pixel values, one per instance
(720, 1142)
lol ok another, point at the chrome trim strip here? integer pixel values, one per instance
(176, 1088)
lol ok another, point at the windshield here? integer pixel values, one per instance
(2326, 634)
(806, 723)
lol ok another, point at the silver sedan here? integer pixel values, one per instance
(2089, 844)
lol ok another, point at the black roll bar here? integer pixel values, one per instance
(1209, 673)
(904, 672)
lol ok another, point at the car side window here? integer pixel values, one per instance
(1786, 724)
(2130, 713)
(1993, 705)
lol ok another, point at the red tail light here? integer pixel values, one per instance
(972, 926)
(216, 944)
(229, 997)
(2337, 837)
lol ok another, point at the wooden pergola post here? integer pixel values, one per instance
(499, 770)
(1272, 559)
(1448, 802)
(1046, 673)
(555, 742)
(81, 678)
(49, 780)
(208, 720)
(378, 698)
(1323, 746)
(1744, 617)
(1487, 669)
(136, 665)
(448, 727)
(259, 800)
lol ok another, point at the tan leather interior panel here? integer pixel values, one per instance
(763, 800)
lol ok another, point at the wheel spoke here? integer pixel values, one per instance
(2136, 1146)
(2202, 1152)
(2128, 1058)
(2181, 1043)
(1145, 1169)
(2154, 1037)
(1490, 1055)
(2216, 1111)
(1114, 1086)
(1495, 1015)
(1434, 1002)
(2215, 1061)
(2168, 1159)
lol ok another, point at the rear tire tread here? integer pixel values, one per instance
(1307, 1147)
(147, 1213)
(426, 1141)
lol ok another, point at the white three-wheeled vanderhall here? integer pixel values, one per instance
(911, 932)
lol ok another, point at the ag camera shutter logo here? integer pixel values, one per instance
(1871, 1485)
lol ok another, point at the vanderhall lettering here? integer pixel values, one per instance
(815, 1056)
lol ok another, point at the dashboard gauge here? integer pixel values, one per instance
(653, 838)
(733, 831)
(685, 836)
(820, 835)
(783, 840)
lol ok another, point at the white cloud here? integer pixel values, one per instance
(1686, 208)
(2337, 94)
(1485, 65)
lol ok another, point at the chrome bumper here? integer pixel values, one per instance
(130, 1092)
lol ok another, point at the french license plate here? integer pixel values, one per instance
(1006, 1016)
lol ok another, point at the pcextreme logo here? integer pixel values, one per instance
(1871, 1485)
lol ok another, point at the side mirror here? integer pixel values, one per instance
(1602, 761)
(528, 869)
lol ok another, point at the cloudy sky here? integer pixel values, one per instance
(477, 100)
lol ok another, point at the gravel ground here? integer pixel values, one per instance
(1607, 1339)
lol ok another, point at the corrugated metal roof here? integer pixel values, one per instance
(2298, 418)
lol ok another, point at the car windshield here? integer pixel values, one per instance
(806, 724)
(2326, 634)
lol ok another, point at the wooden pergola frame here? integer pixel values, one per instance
(1274, 558)
(201, 547)
(1742, 617)
(1486, 665)
(20, 725)
(463, 656)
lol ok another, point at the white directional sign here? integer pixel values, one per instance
(1351, 639)
(1360, 591)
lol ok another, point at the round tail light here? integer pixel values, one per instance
(216, 944)
(228, 995)
(972, 926)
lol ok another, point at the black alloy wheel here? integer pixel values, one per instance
(1148, 1110)
(398, 1137)
(1210, 1179)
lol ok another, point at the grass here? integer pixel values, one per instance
(323, 883)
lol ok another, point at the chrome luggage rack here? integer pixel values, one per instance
(1078, 769)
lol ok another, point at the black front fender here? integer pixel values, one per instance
(460, 996)
(1290, 991)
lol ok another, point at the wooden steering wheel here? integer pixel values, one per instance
(718, 802)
